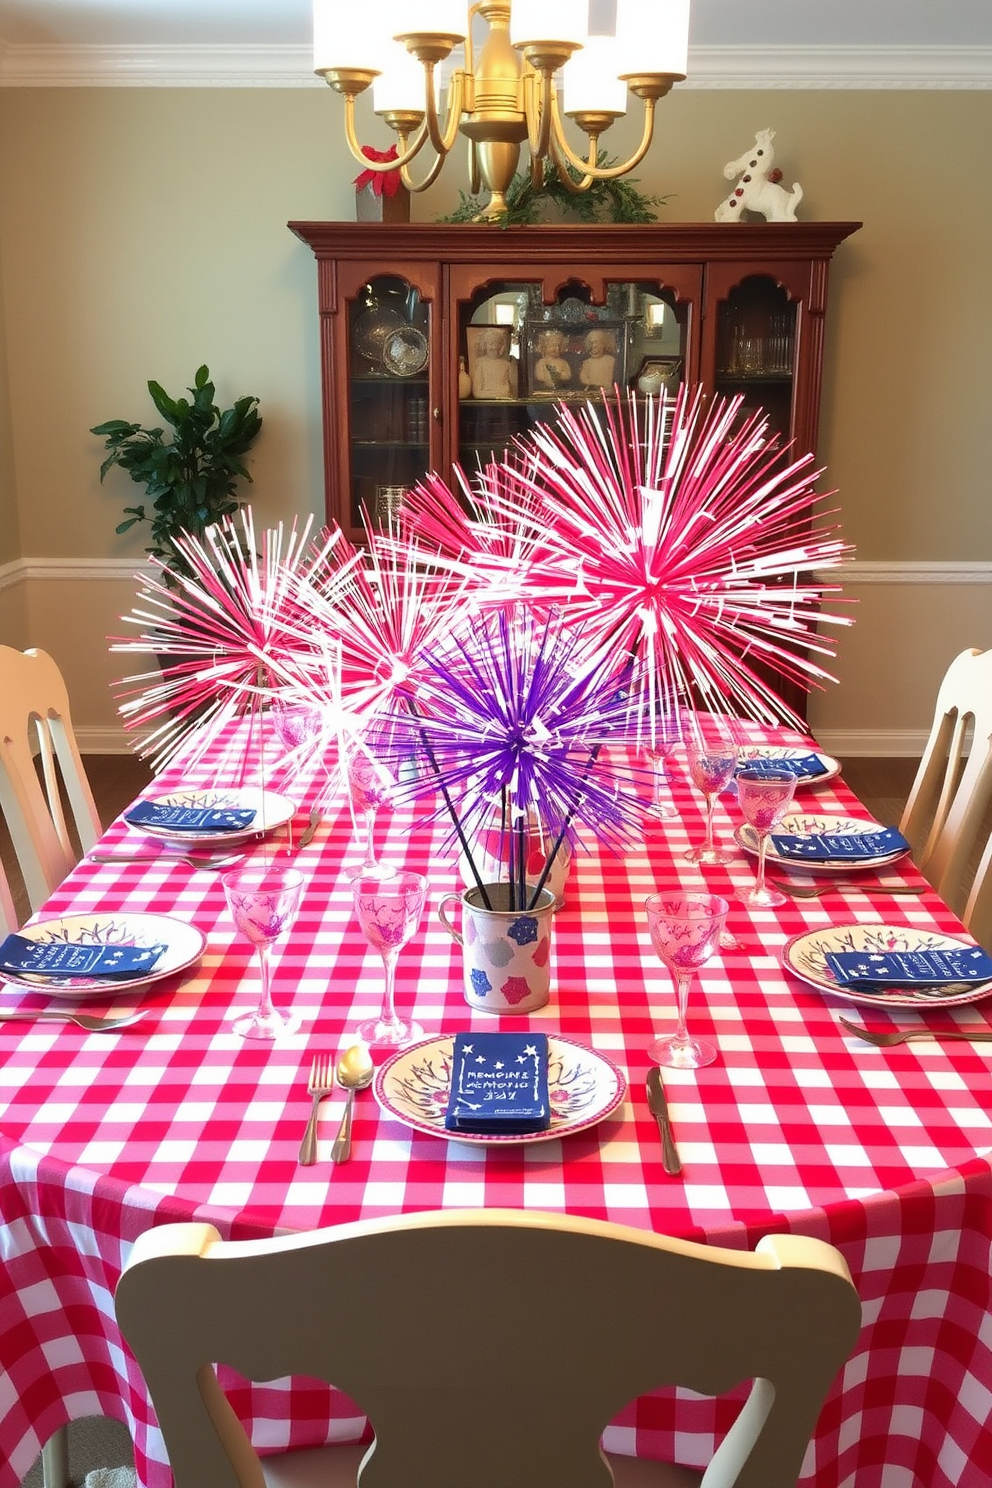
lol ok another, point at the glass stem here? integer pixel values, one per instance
(759, 887)
(265, 1008)
(370, 859)
(388, 1015)
(710, 804)
(683, 981)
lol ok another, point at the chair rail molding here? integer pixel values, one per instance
(290, 65)
(27, 570)
(868, 571)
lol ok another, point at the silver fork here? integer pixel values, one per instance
(84, 1020)
(204, 865)
(320, 1083)
(885, 1040)
(813, 891)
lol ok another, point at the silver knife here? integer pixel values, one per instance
(658, 1102)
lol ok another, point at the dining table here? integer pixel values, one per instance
(798, 1126)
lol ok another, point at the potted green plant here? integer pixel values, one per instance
(191, 479)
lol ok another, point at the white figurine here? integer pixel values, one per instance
(758, 189)
(599, 365)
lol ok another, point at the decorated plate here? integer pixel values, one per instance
(806, 956)
(184, 946)
(405, 351)
(806, 824)
(584, 1087)
(271, 811)
(831, 767)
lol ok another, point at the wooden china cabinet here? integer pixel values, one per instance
(440, 343)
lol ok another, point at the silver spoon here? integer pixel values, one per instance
(354, 1072)
(84, 1020)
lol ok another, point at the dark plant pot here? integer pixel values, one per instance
(372, 208)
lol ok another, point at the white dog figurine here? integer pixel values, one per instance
(758, 189)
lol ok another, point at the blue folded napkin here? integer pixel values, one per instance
(59, 959)
(189, 818)
(880, 969)
(499, 1083)
(842, 847)
(805, 767)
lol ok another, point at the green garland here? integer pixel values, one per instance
(614, 200)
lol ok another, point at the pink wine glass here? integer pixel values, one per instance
(764, 798)
(685, 931)
(658, 752)
(263, 901)
(389, 911)
(712, 763)
(369, 785)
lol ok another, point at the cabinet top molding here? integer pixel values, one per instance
(570, 242)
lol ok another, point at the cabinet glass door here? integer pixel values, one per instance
(756, 339)
(389, 337)
(519, 355)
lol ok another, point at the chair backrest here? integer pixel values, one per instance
(953, 784)
(487, 1347)
(35, 718)
(8, 914)
(978, 911)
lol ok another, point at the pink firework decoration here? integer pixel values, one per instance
(684, 534)
(383, 610)
(234, 629)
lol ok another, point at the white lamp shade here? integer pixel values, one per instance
(548, 20)
(447, 17)
(352, 35)
(400, 85)
(589, 78)
(655, 37)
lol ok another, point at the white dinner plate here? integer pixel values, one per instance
(183, 942)
(271, 811)
(806, 956)
(791, 751)
(806, 824)
(584, 1088)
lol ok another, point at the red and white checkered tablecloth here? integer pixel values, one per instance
(884, 1153)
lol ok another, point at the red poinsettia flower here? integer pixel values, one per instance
(383, 183)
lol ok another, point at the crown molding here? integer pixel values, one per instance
(291, 66)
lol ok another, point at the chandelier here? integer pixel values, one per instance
(507, 93)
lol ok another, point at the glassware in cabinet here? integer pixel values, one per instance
(388, 395)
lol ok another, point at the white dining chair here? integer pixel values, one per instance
(35, 720)
(55, 1454)
(953, 785)
(487, 1347)
(978, 910)
(8, 915)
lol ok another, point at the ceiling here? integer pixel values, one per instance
(942, 42)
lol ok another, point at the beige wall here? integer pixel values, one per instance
(142, 232)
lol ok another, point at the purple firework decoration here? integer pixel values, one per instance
(511, 718)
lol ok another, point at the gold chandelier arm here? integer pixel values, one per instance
(589, 167)
(442, 140)
(576, 187)
(539, 94)
(428, 180)
(380, 166)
